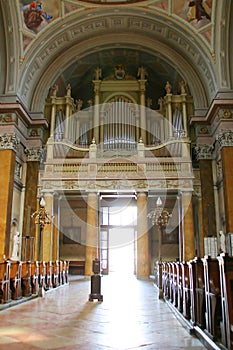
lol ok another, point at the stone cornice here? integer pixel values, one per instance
(203, 151)
(225, 138)
(9, 141)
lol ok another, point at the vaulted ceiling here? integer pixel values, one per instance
(171, 39)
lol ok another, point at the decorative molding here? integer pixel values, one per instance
(225, 138)
(33, 154)
(8, 118)
(9, 141)
(203, 151)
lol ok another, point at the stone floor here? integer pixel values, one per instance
(130, 317)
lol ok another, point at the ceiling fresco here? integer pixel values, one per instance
(37, 16)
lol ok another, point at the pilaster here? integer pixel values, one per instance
(143, 269)
(8, 144)
(91, 232)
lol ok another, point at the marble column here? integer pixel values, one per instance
(225, 139)
(204, 155)
(142, 267)
(8, 146)
(188, 248)
(91, 232)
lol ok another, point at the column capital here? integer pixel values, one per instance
(203, 151)
(225, 138)
(33, 154)
(9, 141)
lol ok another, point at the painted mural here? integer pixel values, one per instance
(38, 14)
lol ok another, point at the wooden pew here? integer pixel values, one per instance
(35, 277)
(197, 292)
(186, 310)
(175, 284)
(170, 277)
(42, 274)
(5, 293)
(226, 283)
(48, 276)
(179, 286)
(55, 273)
(77, 267)
(212, 297)
(15, 279)
(165, 280)
(26, 279)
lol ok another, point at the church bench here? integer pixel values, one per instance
(179, 271)
(77, 267)
(5, 295)
(186, 307)
(42, 273)
(48, 275)
(26, 279)
(15, 279)
(35, 277)
(55, 273)
(212, 297)
(197, 292)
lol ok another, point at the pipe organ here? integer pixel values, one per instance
(119, 118)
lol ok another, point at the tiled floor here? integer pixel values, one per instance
(130, 317)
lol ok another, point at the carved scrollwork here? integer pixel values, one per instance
(33, 154)
(225, 138)
(203, 151)
(9, 141)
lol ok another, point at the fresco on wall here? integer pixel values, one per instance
(38, 14)
(197, 13)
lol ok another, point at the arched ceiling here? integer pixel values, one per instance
(82, 35)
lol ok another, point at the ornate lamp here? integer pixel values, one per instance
(159, 216)
(41, 216)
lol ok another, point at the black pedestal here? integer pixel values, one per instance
(95, 288)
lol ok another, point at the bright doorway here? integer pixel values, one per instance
(118, 225)
(121, 250)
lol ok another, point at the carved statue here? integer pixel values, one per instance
(142, 73)
(54, 90)
(68, 90)
(15, 241)
(98, 73)
(79, 104)
(168, 87)
(183, 87)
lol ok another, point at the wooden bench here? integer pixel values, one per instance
(77, 267)
(5, 295)
(26, 279)
(35, 277)
(15, 279)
